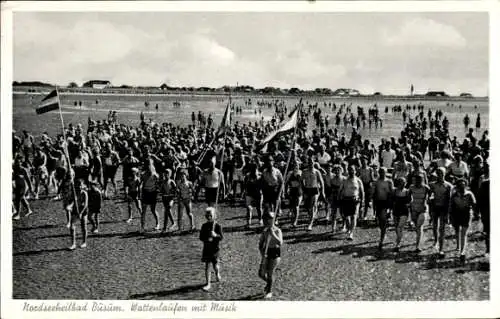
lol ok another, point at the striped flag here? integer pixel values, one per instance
(49, 103)
(285, 127)
(225, 124)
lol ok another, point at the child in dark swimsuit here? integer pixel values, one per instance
(211, 235)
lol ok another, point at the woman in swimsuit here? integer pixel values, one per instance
(401, 209)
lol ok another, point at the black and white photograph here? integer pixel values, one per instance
(245, 155)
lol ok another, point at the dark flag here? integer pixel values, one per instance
(49, 103)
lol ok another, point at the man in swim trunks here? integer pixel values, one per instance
(351, 194)
(213, 180)
(253, 195)
(313, 187)
(419, 208)
(272, 181)
(366, 175)
(440, 203)
(383, 188)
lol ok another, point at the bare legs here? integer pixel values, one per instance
(208, 274)
(187, 205)
(419, 228)
(400, 225)
(258, 207)
(155, 214)
(266, 271)
(168, 204)
(312, 207)
(382, 224)
(72, 230)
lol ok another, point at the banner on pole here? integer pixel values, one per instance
(49, 103)
(285, 127)
(226, 122)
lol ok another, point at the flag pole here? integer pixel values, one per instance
(66, 152)
(299, 107)
(205, 150)
(221, 164)
(223, 149)
(207, 146)
(278, 204)
(222, 157)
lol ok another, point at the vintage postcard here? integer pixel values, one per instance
(249, 159)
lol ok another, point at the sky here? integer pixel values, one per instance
(371, 52)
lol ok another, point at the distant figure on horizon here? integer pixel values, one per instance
(466, 121)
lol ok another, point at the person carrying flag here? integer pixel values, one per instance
(270, 244)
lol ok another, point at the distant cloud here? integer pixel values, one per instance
(104, 43)
(369, 52)
(301, 64)
(209, 50)
(421, 32)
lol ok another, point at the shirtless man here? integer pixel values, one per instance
(213, 180)
(440, 203)
(110, 163)
(351, 194)
(253, 195)
(366, 175)
(402, 168)
(313, 187)
(336, 183)
(383, 189)
(272, 181)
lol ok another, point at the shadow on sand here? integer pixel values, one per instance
(165, 293)
(39, 252)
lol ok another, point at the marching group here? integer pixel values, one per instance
(343, 175)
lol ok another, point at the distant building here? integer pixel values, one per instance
(346, 92)
(465, 95)
(97, 84)
(436, 93)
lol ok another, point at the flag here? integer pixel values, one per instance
(49, 103)
(226, 121)
(285, 127)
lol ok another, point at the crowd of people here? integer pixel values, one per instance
(421, 176)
